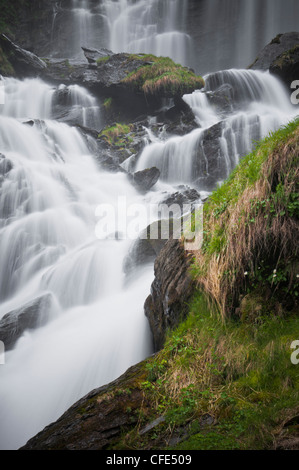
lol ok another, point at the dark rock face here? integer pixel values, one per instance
(184, 195)
(166, 306)
(177, 120)
(98, 419)
(31, 315)
(25, 63)
(148, 245)
(281, 57)
(208, 161)
(144, 180)
(286, 66)
(93, 55)
(279, 45)
(5, 166)
(222, 98)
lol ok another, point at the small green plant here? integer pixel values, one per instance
(117, 135)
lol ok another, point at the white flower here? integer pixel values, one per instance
(275, 271)
(246, 273)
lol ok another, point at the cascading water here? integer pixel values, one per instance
(207, 35)
(49, 250)
(90, 324)
(149, 26)
(258, 104)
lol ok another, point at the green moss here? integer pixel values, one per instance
(117, 135)
(102, 60)
(163, 77)
(108, 104)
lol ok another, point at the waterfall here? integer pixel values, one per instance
(89, 323)
(258, 104)
(92, 325)
(231, 33)
(208, 35)
(148, 26)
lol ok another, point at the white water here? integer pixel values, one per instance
(260, 105)
(149, 26)
(96, 327)
(143, 26)
(207, 35)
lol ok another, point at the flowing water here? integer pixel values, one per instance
(91, 327)
(95, 323)
(260, 104)
(208, 35)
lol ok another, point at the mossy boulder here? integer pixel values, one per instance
(281, 57)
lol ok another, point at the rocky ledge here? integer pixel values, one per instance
(281, 57)
(97, 420)
(173, 286)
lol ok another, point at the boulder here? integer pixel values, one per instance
(222, 99)
(24, 63)
(31, 315)
(280, 44)
(94, 55)
(148, 245)
(281, 57)
(286, 66)
(171, 290)
(184, 195)
(144, 180)
(5, 165)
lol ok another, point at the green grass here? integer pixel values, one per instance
(240, 374)
(102, 60)
(249, 226)
(162, 76)
(248, 171)
(116, 135)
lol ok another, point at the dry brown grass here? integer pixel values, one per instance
(253, 231)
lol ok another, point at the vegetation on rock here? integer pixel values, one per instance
(161, 76)
(250, 226)
(117, 135)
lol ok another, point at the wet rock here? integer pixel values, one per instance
(109, 164)
(5, 165)
(184, 196)
(286, 66)
(32, 315)
(208, 162)
(149, 244)
(94, 55)
(177, 120)
(281, 44)
(171, 290)
(99, 419)
(222, 99)
(144, 180)
(24, 63)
